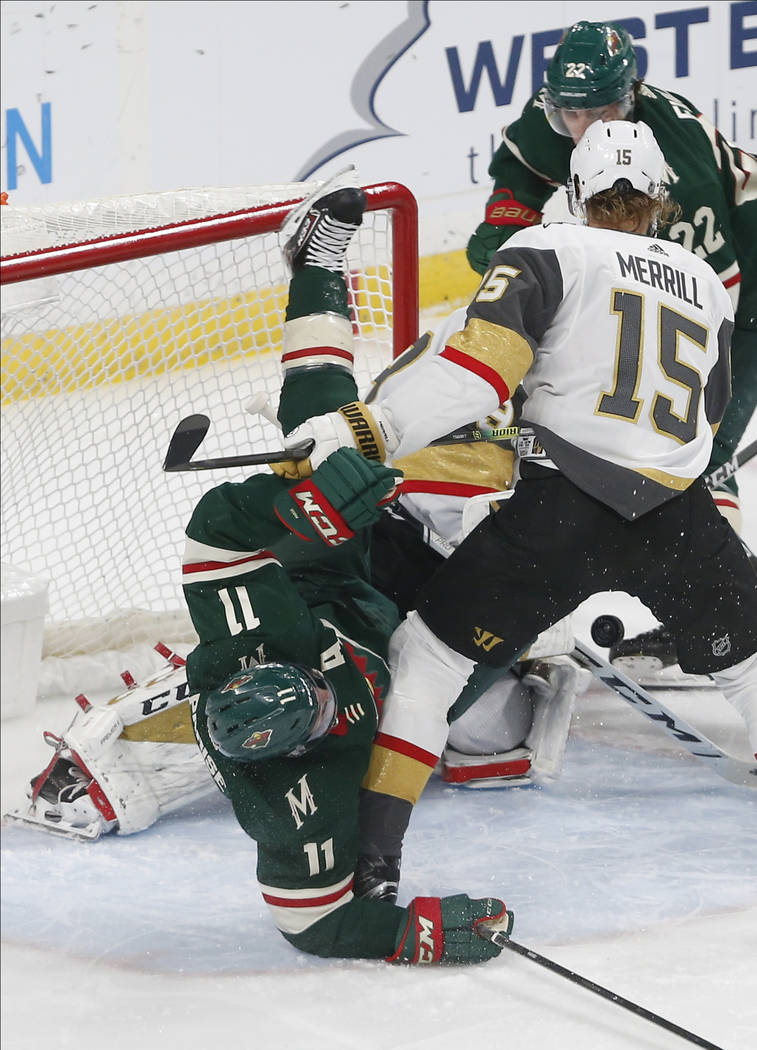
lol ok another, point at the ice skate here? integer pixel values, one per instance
(319, 230)
(651, 660)
(377, 878)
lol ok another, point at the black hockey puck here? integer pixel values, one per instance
(607, 631)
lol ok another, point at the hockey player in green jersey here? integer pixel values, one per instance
(592, 76)
(290, 671)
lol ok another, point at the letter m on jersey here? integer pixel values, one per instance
(303, 805)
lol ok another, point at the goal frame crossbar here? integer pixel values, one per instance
(266, 218)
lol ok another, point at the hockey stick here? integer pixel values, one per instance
(727, 469)
(190, 434)
(191, 431)
(736, 770)
(504, 941)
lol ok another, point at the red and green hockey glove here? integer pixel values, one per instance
(345, 493)
(444, 930)
(504, 217)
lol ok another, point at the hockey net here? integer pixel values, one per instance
(119, 318)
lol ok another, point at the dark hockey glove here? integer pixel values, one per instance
(504, 216)
(443, 930)
(346, 492)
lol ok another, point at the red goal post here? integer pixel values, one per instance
(119, 318)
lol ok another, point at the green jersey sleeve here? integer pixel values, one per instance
(529, 165)
(249, 582)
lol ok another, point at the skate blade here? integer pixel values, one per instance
(60, 828)
(495, 783)
(649, 673)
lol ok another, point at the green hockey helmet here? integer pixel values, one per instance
(270, 710)
(593, 68)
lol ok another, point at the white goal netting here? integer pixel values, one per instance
(133, 313)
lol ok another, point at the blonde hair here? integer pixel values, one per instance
(634, 208)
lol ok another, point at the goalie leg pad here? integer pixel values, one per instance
(738, 684)
(485, 747)
(517, 731)
(555, 683)
(121, 766)
(557, 640)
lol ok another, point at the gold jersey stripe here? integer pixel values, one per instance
(501, 349)
(393, 774)
(481, 463)
(670, 481)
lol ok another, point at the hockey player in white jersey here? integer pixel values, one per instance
(621, 344)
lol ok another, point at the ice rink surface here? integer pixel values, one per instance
(637, 868)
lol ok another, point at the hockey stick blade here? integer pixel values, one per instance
(191, 431)
(735, 770)
(186, 439)
(723, 472)
(189, 435)
(504, 941)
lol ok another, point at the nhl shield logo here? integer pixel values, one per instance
(721, 646)
(260, 738)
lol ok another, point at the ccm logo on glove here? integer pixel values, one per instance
(324, 518)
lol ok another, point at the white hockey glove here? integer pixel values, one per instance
(352, 426)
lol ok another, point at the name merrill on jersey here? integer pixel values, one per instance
(660, 275)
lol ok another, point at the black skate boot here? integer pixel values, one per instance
(646, 654)
(318, 231)
(377, 878)
(652, 661)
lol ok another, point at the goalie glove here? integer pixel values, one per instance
(352, 426)
(345, 493)
(444, 930)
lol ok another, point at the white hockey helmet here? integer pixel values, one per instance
(617, 154)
